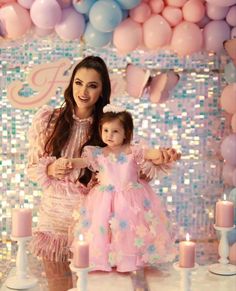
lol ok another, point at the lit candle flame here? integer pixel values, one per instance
(187, 237)
(81, 237)
(224, 197)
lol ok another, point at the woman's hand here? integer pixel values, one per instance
(60, 168)
(167, 155)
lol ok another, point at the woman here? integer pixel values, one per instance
(57, 135)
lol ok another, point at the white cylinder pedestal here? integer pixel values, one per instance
(21, 280)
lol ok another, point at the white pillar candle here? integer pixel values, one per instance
(21, 222)
(224, 214)
(187, 253)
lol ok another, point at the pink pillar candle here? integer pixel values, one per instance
(224, 214)
(81, 253)
(21, 222)
(187, 253)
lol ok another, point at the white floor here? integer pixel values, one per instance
(168, 279)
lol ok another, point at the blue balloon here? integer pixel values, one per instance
(230, 73)
(95, 38)
(128, 4)
(105, 15)
(83, 6)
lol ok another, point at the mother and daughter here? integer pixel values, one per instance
(119, 213)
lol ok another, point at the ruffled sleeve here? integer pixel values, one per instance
(147, 167)
(91, 154)
(37, 136)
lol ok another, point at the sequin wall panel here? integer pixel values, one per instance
(190, 120)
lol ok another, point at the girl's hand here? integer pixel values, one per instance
(60, 168)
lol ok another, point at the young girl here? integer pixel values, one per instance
(122, 217)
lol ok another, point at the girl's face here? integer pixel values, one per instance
(113, 133)
(87, 88)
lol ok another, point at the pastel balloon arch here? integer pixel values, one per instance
(182, 26)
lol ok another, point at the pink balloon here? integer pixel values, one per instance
(42, 32)
(216, 12)
(187, 38)
(222, 3)
(228, 151)
(156, 32)
(233, 34)
(231, 16)
(176, 3)
(203, 22)
(228, 99)
(71, 26)
(172, 15)
(15, 20)
(45, 13)
(156, 6)
(140, 13)
(234, 178)
(3, 2)
(193, 10)
(64, 3)
(214, 34)
(25, 3)
(227, 174)
(127, 36)
(233, 122)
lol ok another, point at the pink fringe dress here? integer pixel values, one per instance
(59, 197)
(122, 217)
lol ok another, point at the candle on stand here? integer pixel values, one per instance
(187, 253)
(21, 222)
(224, 213)
(81, 253)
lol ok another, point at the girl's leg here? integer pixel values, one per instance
(58, 274)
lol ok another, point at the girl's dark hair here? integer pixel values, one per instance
(64, 116)
(125, 119)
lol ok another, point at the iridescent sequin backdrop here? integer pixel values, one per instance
(191, 121)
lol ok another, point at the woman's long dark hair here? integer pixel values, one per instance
(64, 116)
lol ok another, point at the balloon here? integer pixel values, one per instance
(105, 15)
(45, 13)
(172, 15)
(96, 38)
(136, 80)
(71, 26)
(176, 3)
(3, 2)
(233, 122)
(128, 4)
(216, 12)
(228, 98)
(234, 178)
(214, 34)
(64, 3)
(83, 6)
(42, 32)
(230, 73)
(203, 22)
(193, 10)
(140, 13)
(25, 3)
(224, 3)
(15, 20)
(127, 36)
(231, 16)
(227, 174)
(228, 149)
(233, 32)
(187, 38)
(156, 6)
(156, 32)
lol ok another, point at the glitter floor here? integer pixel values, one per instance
(165, 278)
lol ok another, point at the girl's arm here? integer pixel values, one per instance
(79, 163)
(162, 155)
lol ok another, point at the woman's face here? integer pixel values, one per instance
(87, 88)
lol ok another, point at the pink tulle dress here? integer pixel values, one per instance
(59, 197)
(122, 217)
